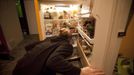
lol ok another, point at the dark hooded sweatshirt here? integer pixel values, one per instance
(47, 58)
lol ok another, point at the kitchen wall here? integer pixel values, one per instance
(10, 22)
(31, 17)
(127, 45)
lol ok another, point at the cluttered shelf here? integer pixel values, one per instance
(52, 26)
(61, 19)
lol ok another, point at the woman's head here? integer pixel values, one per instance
(64, 32)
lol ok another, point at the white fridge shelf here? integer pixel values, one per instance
(84, 35)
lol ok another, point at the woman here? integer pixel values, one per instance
(49, 57)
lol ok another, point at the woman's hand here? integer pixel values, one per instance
(91, 71)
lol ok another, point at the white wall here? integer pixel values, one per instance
(31, 17)
(10, 22)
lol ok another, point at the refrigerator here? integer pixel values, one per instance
(98, 32)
